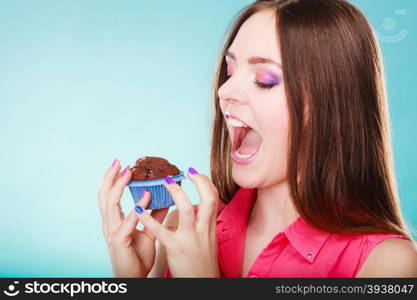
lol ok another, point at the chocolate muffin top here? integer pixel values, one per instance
(152, 167)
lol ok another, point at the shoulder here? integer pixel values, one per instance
(393, 257)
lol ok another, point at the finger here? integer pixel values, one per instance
(158, 215)
(144, 199)
(128, 225)
(113, 210)
(143, 203)
(109, 175)
(154, 227)
(185, 208)
(117, 189)
(106, 184)
(207, 207)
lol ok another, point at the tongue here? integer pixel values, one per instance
(250, 143)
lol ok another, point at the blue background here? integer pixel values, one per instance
(83, 82)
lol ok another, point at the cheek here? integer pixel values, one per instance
(275, 135)
(277, 139)
(276, 122)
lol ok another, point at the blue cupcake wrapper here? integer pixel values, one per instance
(160, 197)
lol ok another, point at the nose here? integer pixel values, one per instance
(232, 91)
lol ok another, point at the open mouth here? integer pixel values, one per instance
(246, 142)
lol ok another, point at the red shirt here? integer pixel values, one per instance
(297, 251)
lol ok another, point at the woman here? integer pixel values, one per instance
(303, 182)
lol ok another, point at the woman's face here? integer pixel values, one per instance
(255, 93)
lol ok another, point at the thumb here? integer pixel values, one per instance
(129, 224)
(153, 226)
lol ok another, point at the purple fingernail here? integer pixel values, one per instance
(143, 193)
(124, 171)
(169, 180)
(114, 162)
(192, 170)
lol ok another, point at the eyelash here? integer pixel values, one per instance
(263, 85)
(259, 84)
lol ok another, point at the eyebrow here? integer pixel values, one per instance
(255, 59)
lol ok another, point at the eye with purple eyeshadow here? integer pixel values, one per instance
(266, 80)
(262, 79)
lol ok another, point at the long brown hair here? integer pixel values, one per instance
(340, 167)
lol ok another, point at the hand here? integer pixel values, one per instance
(192, 248)
(132, 252)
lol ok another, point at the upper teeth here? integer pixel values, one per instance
(234, 122)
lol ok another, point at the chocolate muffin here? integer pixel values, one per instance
(149, 173)
(152, 167)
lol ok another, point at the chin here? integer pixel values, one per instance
(245, 180)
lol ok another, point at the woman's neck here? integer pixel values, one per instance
(273, 207)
